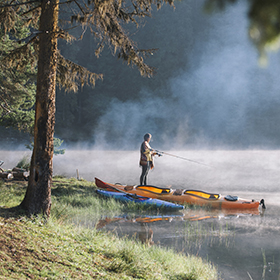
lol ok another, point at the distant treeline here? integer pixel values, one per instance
(78, 113)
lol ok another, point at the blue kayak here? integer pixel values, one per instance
(123, 197)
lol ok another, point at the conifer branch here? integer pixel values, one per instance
(31, 10)
(7, 19)
(107, 17)
(19, 4)
(70, 74)
(23, 55)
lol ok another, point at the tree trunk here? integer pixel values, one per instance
(38, 195)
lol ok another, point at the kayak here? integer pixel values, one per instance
(123, 197)
(181, 196)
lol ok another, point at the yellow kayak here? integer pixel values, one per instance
(181, 196)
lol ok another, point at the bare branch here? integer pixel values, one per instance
(30, 38)
(7, 109)
(80, 7)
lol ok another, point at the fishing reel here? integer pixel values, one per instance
(158, 153)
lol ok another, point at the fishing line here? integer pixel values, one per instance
(194, 161)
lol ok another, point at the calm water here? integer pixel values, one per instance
(244, 246)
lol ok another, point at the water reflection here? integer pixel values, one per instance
(140, 226)
(227, 239)
(146, 234)
(187, 215)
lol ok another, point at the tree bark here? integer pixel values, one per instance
(38, 195)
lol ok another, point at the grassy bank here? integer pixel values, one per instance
(33, 249)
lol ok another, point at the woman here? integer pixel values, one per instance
(146, 158)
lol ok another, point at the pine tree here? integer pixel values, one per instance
(105, 19)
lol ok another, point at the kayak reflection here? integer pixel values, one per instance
(191, 215)
(145, 233)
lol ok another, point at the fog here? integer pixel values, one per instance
(251, 174)
(219, 102)
(222, 97)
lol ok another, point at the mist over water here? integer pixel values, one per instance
(253, 174)
(222, 97)
(237, 172)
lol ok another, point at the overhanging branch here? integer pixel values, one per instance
(19, 4)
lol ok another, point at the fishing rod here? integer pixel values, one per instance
(164, 153)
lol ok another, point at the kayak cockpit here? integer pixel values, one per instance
(202, 194)
(154, 189)
(178, 192)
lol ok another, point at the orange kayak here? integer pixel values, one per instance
(181, 196)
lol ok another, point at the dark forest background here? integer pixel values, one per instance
(208, 90)
(78, 113)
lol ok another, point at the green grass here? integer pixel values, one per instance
(34, 249)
